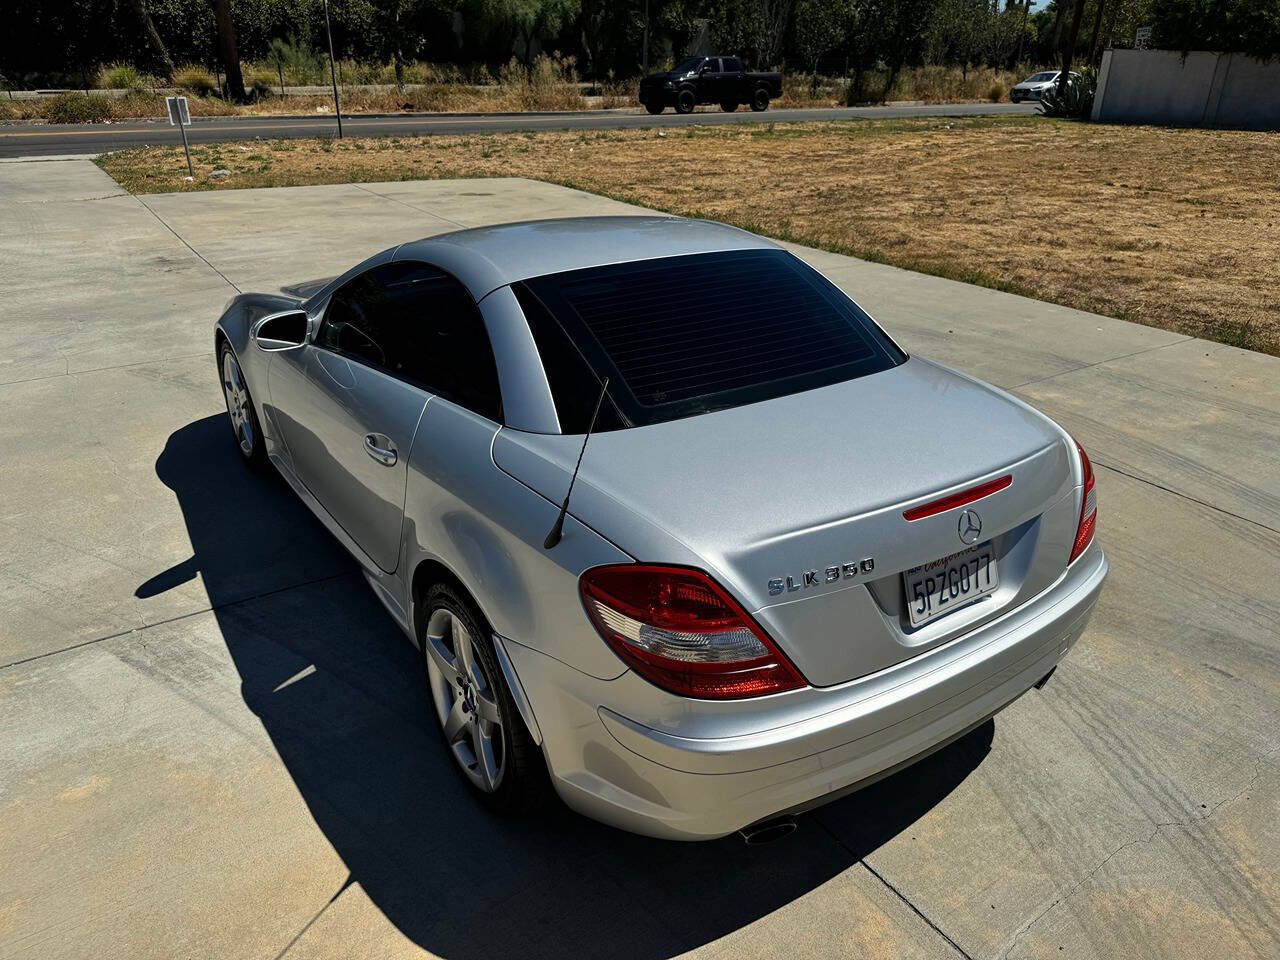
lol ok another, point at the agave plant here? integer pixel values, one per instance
(1077, 100)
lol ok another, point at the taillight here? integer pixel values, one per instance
(1088, 509)
(678, 629)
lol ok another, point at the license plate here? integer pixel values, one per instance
(936, 588)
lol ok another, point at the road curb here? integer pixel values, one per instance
(51, 158)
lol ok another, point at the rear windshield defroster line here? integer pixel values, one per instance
(685, 335)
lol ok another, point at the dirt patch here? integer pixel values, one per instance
(1178, 229)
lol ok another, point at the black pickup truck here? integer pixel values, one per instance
(722, 80)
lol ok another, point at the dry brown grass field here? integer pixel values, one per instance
(1173, 228)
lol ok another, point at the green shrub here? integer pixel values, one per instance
(267, 74)
(419, 72)
(361, 72)
(78, 108)
(550, 84)
(122, 76)
(195, 79)
(260, 83)
(296, 61)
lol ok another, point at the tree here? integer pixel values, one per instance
(1004, 35)
(1022, 30)
(227, 49)
(529, 20)
(1097, 26)
(819, 28)
(591, 23)
(1055, 35)
(863, 27)
(735, 26)
(1240, 26)
(158, 50)
(390, 32)
(956, 32)
(1123, 19)
(902, 36)
(771, 27)
(1069, 49)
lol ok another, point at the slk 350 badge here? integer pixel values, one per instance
(815, 578)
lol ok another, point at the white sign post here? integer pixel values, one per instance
(180, 117)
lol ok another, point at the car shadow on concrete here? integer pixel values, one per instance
(338, 689)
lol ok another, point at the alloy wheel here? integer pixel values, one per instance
(465, 700)
(237, 397)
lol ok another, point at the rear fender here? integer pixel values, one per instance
(487, 529)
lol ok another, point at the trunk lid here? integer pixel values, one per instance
(801, 483)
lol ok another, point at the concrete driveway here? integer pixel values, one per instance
(215, 742)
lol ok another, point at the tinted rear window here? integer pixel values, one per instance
(685, 335)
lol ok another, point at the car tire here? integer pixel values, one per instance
(490, 746)
(240, 408)
(729, 106)
(655, 108)
(760, 100)
(685, 101)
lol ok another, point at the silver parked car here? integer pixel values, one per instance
(678, 528)
(1038, 84)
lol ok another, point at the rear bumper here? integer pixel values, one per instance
(623, 752)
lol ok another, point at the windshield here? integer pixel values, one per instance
(688, 66)
(1041, 77)
(680, 336)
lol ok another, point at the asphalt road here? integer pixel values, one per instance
(45, 139)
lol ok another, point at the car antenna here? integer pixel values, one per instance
(557, 531)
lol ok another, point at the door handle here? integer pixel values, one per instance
(384, 455)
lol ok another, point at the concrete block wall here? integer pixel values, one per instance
(1198, 89)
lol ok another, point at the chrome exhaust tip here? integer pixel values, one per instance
(768, 831)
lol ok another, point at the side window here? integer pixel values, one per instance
(712, 65)
(419, 324)
(732, 65)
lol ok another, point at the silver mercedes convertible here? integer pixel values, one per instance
(678, 529)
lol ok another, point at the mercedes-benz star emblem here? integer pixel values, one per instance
(969, 526)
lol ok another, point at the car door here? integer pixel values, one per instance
(710, 82)
(350, 402)
(732, 86)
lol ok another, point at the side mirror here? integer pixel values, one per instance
(280, 331)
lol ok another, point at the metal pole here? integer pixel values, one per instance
(183, 127)
(337, 106)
